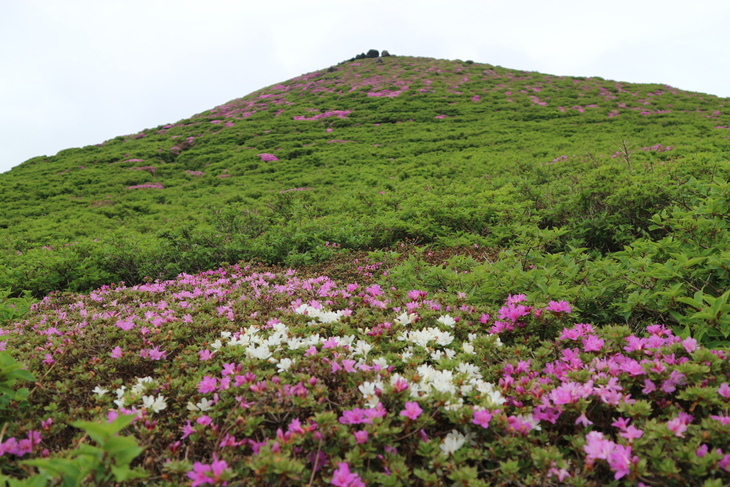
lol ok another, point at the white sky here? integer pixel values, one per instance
(78, 72)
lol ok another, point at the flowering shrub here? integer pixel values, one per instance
(258, 377)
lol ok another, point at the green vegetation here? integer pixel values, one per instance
(129, 266)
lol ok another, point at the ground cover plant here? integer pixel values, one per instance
(260, 378)
(395, 271)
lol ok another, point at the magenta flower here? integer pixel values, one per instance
(361, 436)
(597, 447)
(412, 410)
(208, 474)
(677, 426)
(187, 430)
(344, 478)
(592, 343)
(632, 433)
(268, 157)
(620, 460)
(482, 418)
(208, 384)
(558, 307)
(724, 390)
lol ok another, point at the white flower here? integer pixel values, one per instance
(261, 352)
(381, 362)
(468, 348)
(120, 392)
(362, 348)
(99, 391)
(454, 406)
(367, 389)
(191, 406)
(447, 320)
(469, 369)
(436, 355)
(205, 405)
(156, 405)
(284, 364)
(452, 442)
(216, 345)
(405, 318)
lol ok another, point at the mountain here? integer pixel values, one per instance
(393, 271)
(365, 154)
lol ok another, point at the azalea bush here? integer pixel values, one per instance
(247, 377)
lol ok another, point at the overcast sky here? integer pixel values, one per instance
(79, 72)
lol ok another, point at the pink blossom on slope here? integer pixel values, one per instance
(558, 307)
(677, 426)
(620, 460)
(268, 157)
(412, 410)
(344, 478)
(208, 384)
(482, 418)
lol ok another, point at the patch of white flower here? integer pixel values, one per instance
(362, 348)
(405, 318)
(453, 441)
(426, 335)
(154, 404)
(203, 405)
(322, 315)
(447, 320)
(284, 364)
(100, 391)
(368, 389)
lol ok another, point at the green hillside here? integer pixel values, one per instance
(368, 154)
(392, 271)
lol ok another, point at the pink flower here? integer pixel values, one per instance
(344, 478)
(205, 420)
(482, 418)
(620, 460)
(592, 343)
(157, 354)
(677, 426)
(187, 430)
(208, 384)
(690, 344)
(116, 352)
(412, 410)
(268, 157)
(632, 433)
(597, 447)
(558, 307)
(361, 436)
(724, 390)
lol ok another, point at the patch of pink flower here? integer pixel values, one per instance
(268, 157)
(147, 186)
